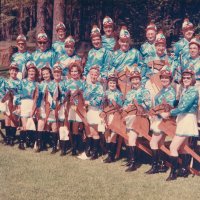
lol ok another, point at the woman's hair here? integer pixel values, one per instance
(193, 78)
(51, 74)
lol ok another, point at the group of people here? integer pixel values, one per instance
(51, 91)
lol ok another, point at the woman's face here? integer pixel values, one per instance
(165, 80)
(61, 34)
(136, 82)
(108, 30)
(75, 73)
(46, 75)
(194, 51)
(96, 42)
(112, 85)
(69, 50)
(13, 73)
(57, 75)
(188, 34)
(160, 49)
(42, 45)
(187, 79)
(124, 45)
(31, 74)
(21, 46)
(151, 36)
(94, 75)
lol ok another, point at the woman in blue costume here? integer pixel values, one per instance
(59, 45)
(11, 84)
(22, 56)
(108, 39)
(57, 90)
(186, 113)
(112, 94)
(27, 88)
(142, 96)
(69, 56)
(154, 64)
(181, 48)
(43, 54)
(46, 77)
(167, 94)
(93, 95)
(75, 83)
(125, 56)
(148, 48)
(98, 55)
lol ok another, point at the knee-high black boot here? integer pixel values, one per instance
(161, 163)
(22, 140)
(88, 146)
(95, 149)
(7, 139)
(28, 139)
(173, 173)
(184, 168)
(54, 142)
(13, 131)
(39, 141)
(63, 147)
(132, 166)
(74, 144)
(154, 165)
(111, 153)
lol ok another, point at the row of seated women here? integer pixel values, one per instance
(65, 108)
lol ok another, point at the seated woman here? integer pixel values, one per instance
(27, 110)
(186, 113)
(93, 95)
(168, 95)
(11, 84)
(142, 97)
(112, 94)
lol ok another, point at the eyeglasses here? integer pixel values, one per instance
(186, 77)
(41, 42)
(21, 44)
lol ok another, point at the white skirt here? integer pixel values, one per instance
(4, 107)
(73, 116)
(26, 107)
(93, 118)
(155, 124)
(187, 125)
(61, 115)
(129, 121)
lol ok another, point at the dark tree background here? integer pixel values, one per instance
(30, 16)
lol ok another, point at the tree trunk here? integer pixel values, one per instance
(40, 16)
(58, 15)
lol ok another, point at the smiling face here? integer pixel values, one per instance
(165, 80)
(151, 36)
(188, 34)
(112, 85)
(46, 75)
(187, 79)
(42, 45)
(194, 50)
(31, 74)
(136, 82)
(160, 49)
(57, 75)
(96, 42)
(94, 75)
(108, 30)
(61, 34)
(75, 73)
(69, 50)
(21, 46)
(13, 73)
(124, 45)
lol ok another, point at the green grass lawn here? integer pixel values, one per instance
(25, 175)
